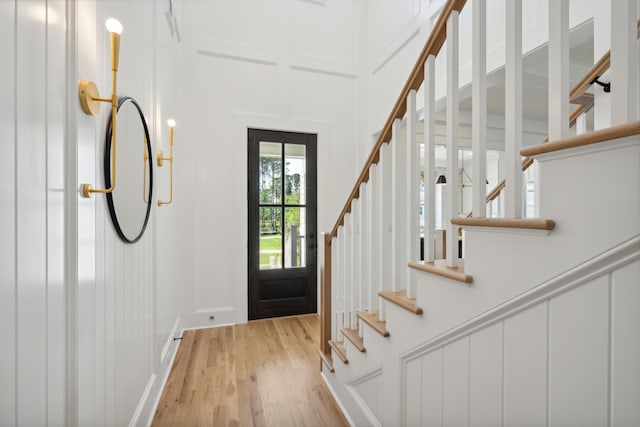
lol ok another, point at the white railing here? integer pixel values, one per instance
(378, 231)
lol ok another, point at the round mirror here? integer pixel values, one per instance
(130, 202)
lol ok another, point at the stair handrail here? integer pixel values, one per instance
(432, 47)
(577, 92)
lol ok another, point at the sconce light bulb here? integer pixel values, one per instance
(171, 123)
(113, 26)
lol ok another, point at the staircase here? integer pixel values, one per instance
(539, 323)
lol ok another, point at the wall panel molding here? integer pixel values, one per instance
(236, 51)
(322, 66)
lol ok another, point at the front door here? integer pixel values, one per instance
(282, 223)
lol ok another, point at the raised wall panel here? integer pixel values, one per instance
(578, 355)
(485, 376)
(625, 346)
(309, 35)
(456, 383)
(432, 375)
(7, 218)
(248, 23)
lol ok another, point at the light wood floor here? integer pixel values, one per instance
(263, 373)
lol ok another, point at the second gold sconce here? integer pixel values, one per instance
(90, 101)
(160, 159)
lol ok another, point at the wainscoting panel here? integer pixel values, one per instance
(455, 387)
(525, 344)
(625, 346)
(485, 376)
(564, 353)
(578, 355)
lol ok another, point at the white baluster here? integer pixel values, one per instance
(412, 221)
(558, 70)
(452, 136)
(397, 205)
(355, 258)
(429, 157)
(374, 237)
(581, 124)
(601, 45)
(479, 109)
(385, 167)
(624, 61)
(348, 266)
(364, 251)
(513, 108)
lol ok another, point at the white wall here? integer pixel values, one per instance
(86, 321)
(32, 294)
(128, 294)
(279, 64)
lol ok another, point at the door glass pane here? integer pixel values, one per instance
(295, 232)
(295, 174)
(270, 238)
(270, 172)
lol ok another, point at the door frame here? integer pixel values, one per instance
(287, 305)
(238, 310)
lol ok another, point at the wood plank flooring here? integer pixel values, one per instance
(263, 373)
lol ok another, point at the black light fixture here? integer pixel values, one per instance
(441, 180)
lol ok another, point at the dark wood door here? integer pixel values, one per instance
(282, 223)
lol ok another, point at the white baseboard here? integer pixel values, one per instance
(337, 399)
(146, 409)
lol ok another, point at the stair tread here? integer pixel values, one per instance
(595, 137)
(525, 223)
(400, 298)
(338, 347)
(327, 360)
(440, 268)
(354, 337)
(373, 320)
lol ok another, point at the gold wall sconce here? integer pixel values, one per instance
(160, 159)
(90, 102)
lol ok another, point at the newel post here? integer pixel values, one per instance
(325, 294)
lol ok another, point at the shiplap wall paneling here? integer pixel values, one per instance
(55, 166)
(455, 397)
(31, 219)
(432, 378)
(413, 392)
(485, 376)
(32, 379)
(625, 346)
(525, 344)
(7, 218)
(579, 355)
